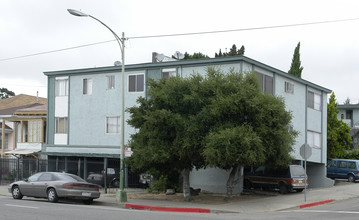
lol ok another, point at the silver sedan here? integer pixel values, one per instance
(55, 185)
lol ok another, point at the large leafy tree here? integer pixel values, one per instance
(338, 137)
(169, 137)
(5, 93)
(296, 68)
(250, 127)
(222, 120)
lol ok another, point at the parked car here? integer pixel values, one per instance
(292, 177)
(343, 169)
(54, 186)
(112, 179)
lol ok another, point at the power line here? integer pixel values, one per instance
(184, 34)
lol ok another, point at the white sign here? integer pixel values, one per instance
(128, 152)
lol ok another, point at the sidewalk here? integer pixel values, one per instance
(262, 203)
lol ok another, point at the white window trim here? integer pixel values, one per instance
(108, 77)
(88, 86)
(314, 139)
(118, 124)
(128, 84)
(289, 87)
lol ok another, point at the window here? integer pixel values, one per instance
(87, 86)
(136, 83)
(6, 140)
(289, 87)
(167, 73)
(351, 165)
(113, 125)
(332, 164)
(61, 87)
(314, 139)
(342, 164)
(265, 83)
(110, 82)
(314, 101)
(61, 125)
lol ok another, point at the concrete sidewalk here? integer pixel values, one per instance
(263, 203)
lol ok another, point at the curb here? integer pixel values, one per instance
(315, 203)
(166, 209)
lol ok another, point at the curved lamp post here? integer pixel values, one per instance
(121, 195)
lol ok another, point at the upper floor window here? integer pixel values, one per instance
(61, 87)
(136, 83)
(110, 82)
(61, 125)
(113, 125)
(87, 86)
(265, 83)
(167, 73)
(314, 101)
(314, 139)
(289, 87)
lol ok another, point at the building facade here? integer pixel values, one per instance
(349, 113)
(84, 112)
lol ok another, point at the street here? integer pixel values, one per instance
(41, 209)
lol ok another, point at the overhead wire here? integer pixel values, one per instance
(183, 34)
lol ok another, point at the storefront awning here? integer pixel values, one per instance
(22, 151)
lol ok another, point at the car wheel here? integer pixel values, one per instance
(52, 195)
(351, 178)
(16, 194)
(88, 201)
(283, 189)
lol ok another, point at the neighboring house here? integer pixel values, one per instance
(23, 118)
(349, 113)
(84, 112)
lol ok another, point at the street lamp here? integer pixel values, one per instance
(121, 195)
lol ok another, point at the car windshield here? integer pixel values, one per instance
(297, 171)
(69, 177)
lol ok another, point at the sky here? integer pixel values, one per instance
(329, 52)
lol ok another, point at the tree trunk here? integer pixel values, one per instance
(231, 182)
(186, 186)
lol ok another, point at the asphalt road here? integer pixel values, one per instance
(29, 209)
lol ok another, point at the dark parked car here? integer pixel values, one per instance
(343, 169)
(54, 186)
(284, 179)
(112, 179)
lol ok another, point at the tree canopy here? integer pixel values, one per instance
(5, 93)
(232, 52)
(296, 68)
(221, 120)
(338, 138)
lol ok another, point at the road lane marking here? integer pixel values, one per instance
(325, 211)
(22, 206)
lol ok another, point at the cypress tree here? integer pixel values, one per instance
(296, 68)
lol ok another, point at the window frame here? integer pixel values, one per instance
(314, 101)
(117, 125)
(314, 139)
(266, 83)
(63, 91)
(110, 82)
(168, 73)
(139, 86)
(87, 86)
(64, 128)
(289, 87)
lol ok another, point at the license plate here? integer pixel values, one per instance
(300, 181)
(86, 194)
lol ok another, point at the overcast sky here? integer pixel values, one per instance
(329, 51)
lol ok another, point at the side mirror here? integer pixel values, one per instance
(26, 180)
